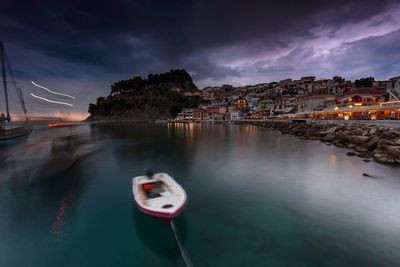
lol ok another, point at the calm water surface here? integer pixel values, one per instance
(256, 198)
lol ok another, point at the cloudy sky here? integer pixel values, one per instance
(81, 47)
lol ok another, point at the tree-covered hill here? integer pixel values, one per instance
(160, 96)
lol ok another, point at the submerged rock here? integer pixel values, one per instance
(350, 145)
(361, 148)
(362, 155)
(383, 158)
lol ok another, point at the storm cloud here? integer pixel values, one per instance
(81, 47)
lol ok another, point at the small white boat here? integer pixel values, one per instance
(159, 195)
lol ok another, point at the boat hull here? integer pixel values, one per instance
(164, 215)
(14, 134)
(167, 206)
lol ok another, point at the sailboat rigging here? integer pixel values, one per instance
(10, 130)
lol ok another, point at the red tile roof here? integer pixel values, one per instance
(365, 90)
(318, 96)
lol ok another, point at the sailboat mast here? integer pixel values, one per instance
(3, 69)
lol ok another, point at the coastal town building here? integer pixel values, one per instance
(315, 102)
(213, 109)
(307, 97)
(242, 104)
(235, 115)
(186, 114)
(284, 105)
(393, 88)
(199, 114)
(252, 101)
(362, 97)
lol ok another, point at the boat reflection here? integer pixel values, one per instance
(62, 214)
(43, 174)
(37, 161)
(157, 234)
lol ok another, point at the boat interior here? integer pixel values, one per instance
(155, 189)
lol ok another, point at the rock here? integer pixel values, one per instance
(361, 148)
(310, 132)
(383, 158)
(397, 141)
(393, 151)
(359, 139)
(340, 128)
(363, 155)
(379, 142)
(329, 131)
(357, 132)
(373, 130)
(371, 145)
(382, 144)
(365, 133)
(350, 145)
(329, 137)
(390, 135)
(342, 136)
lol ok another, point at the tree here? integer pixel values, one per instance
(160, 95)
(364, 82)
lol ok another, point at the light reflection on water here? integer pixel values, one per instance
(256, 198)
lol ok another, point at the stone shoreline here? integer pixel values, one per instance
(369, 141)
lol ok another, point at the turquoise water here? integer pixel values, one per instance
(256, 198)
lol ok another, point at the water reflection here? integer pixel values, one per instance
(157, 234)
(45, 157)
(257, 198)
(42, 176)
(63, 211)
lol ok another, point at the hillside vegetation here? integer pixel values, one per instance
(160, 96)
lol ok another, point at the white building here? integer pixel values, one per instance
(393, 88)
(252, 101)
(315, 102)
(235, 115)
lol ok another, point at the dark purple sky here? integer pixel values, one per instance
(81, 47)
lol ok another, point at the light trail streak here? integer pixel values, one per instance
(47, 89)
(51, 101)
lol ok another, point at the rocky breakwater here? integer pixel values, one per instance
(369, 141)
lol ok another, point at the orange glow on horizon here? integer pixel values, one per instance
(56, 116)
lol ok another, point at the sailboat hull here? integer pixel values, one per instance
(12, 134)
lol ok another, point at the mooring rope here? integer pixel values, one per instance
(184, 253)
